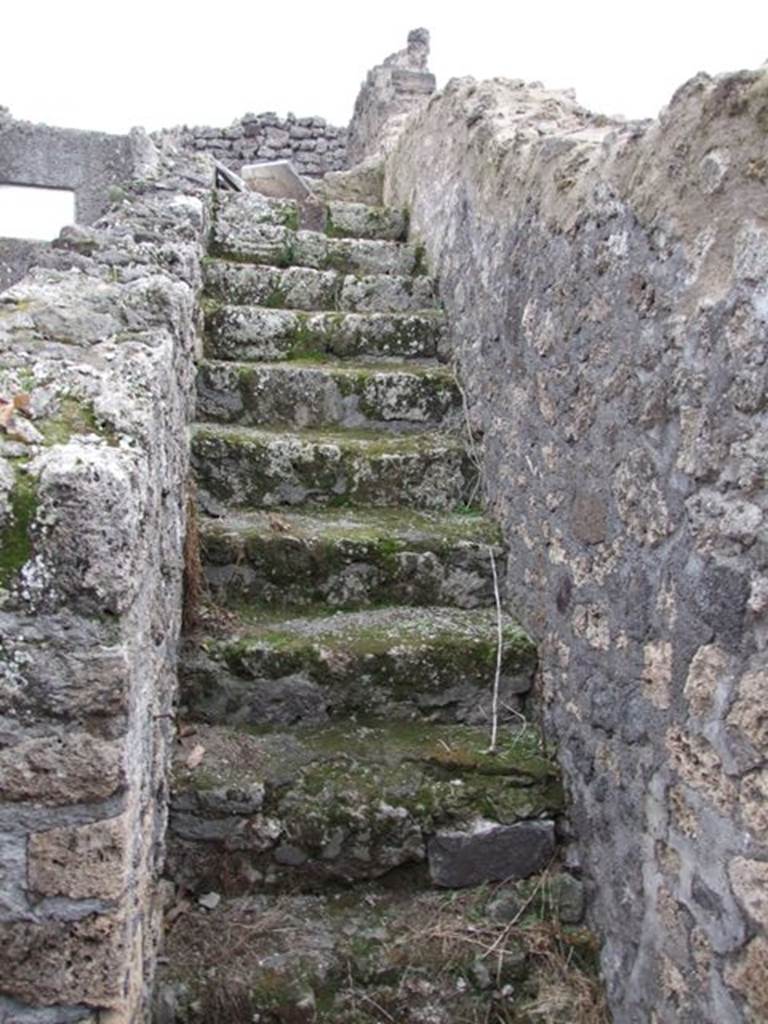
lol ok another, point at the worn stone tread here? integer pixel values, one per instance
(300, 808)
(281, 246)
(357, 220)
(248, 466)
(264, 334)
(434, 663)
(304, 288)
(307, 395)
(350, 558)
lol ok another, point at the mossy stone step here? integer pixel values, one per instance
(245, 466)
(308, 395)
(256, 333)
(437, 664)
(302, 808)
(350, 558)
(338, 958)
(238, 212)
(307, 289)
(358, 220)
(283, 247)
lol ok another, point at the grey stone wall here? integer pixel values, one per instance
(87, 163)
(93, 165)
(608, 286)
(314, 146)
(93, 468)
(391, 92)
(17, 256)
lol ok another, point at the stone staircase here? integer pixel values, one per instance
(333, 778)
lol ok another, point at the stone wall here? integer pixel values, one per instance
(17, 256)
(391, 92)
(314, 146)
(608, 286)
(93, 469)
(90, 164)
(87, 163)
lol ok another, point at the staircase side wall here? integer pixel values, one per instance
(92, 524)
(608, 287)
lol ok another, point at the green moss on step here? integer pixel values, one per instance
(15, 539)
(74, 416)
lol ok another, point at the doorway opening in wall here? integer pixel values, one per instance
(35, 213)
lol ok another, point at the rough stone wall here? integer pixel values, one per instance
(17, 256)
(392, 91)
(90, 164)
(92, 520)
(608, 286)
(314, 146)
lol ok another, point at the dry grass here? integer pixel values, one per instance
(559, 963)
(408, 958)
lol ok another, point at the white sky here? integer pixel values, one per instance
(157, 63)
(106, 65)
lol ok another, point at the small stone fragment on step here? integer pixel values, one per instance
(210, 900)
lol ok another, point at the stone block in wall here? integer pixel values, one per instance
(65, 962)
(56, 770)
(276, 137)
(82, 862)
(64, 667)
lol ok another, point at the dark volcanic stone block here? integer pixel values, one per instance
(490, 853)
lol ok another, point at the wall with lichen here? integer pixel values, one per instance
(608, 288)
(96, 348)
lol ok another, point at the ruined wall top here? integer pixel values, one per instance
(392, 91)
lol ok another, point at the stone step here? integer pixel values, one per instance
(307, 395)
(344, 803)
(256, 333)
(250, 467)
(283, 247)
(350, 558)
(236, 213)
(307, 289)
(357, 220)
(418, 956)
(437, 664)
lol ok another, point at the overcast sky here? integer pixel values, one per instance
(106, 65)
